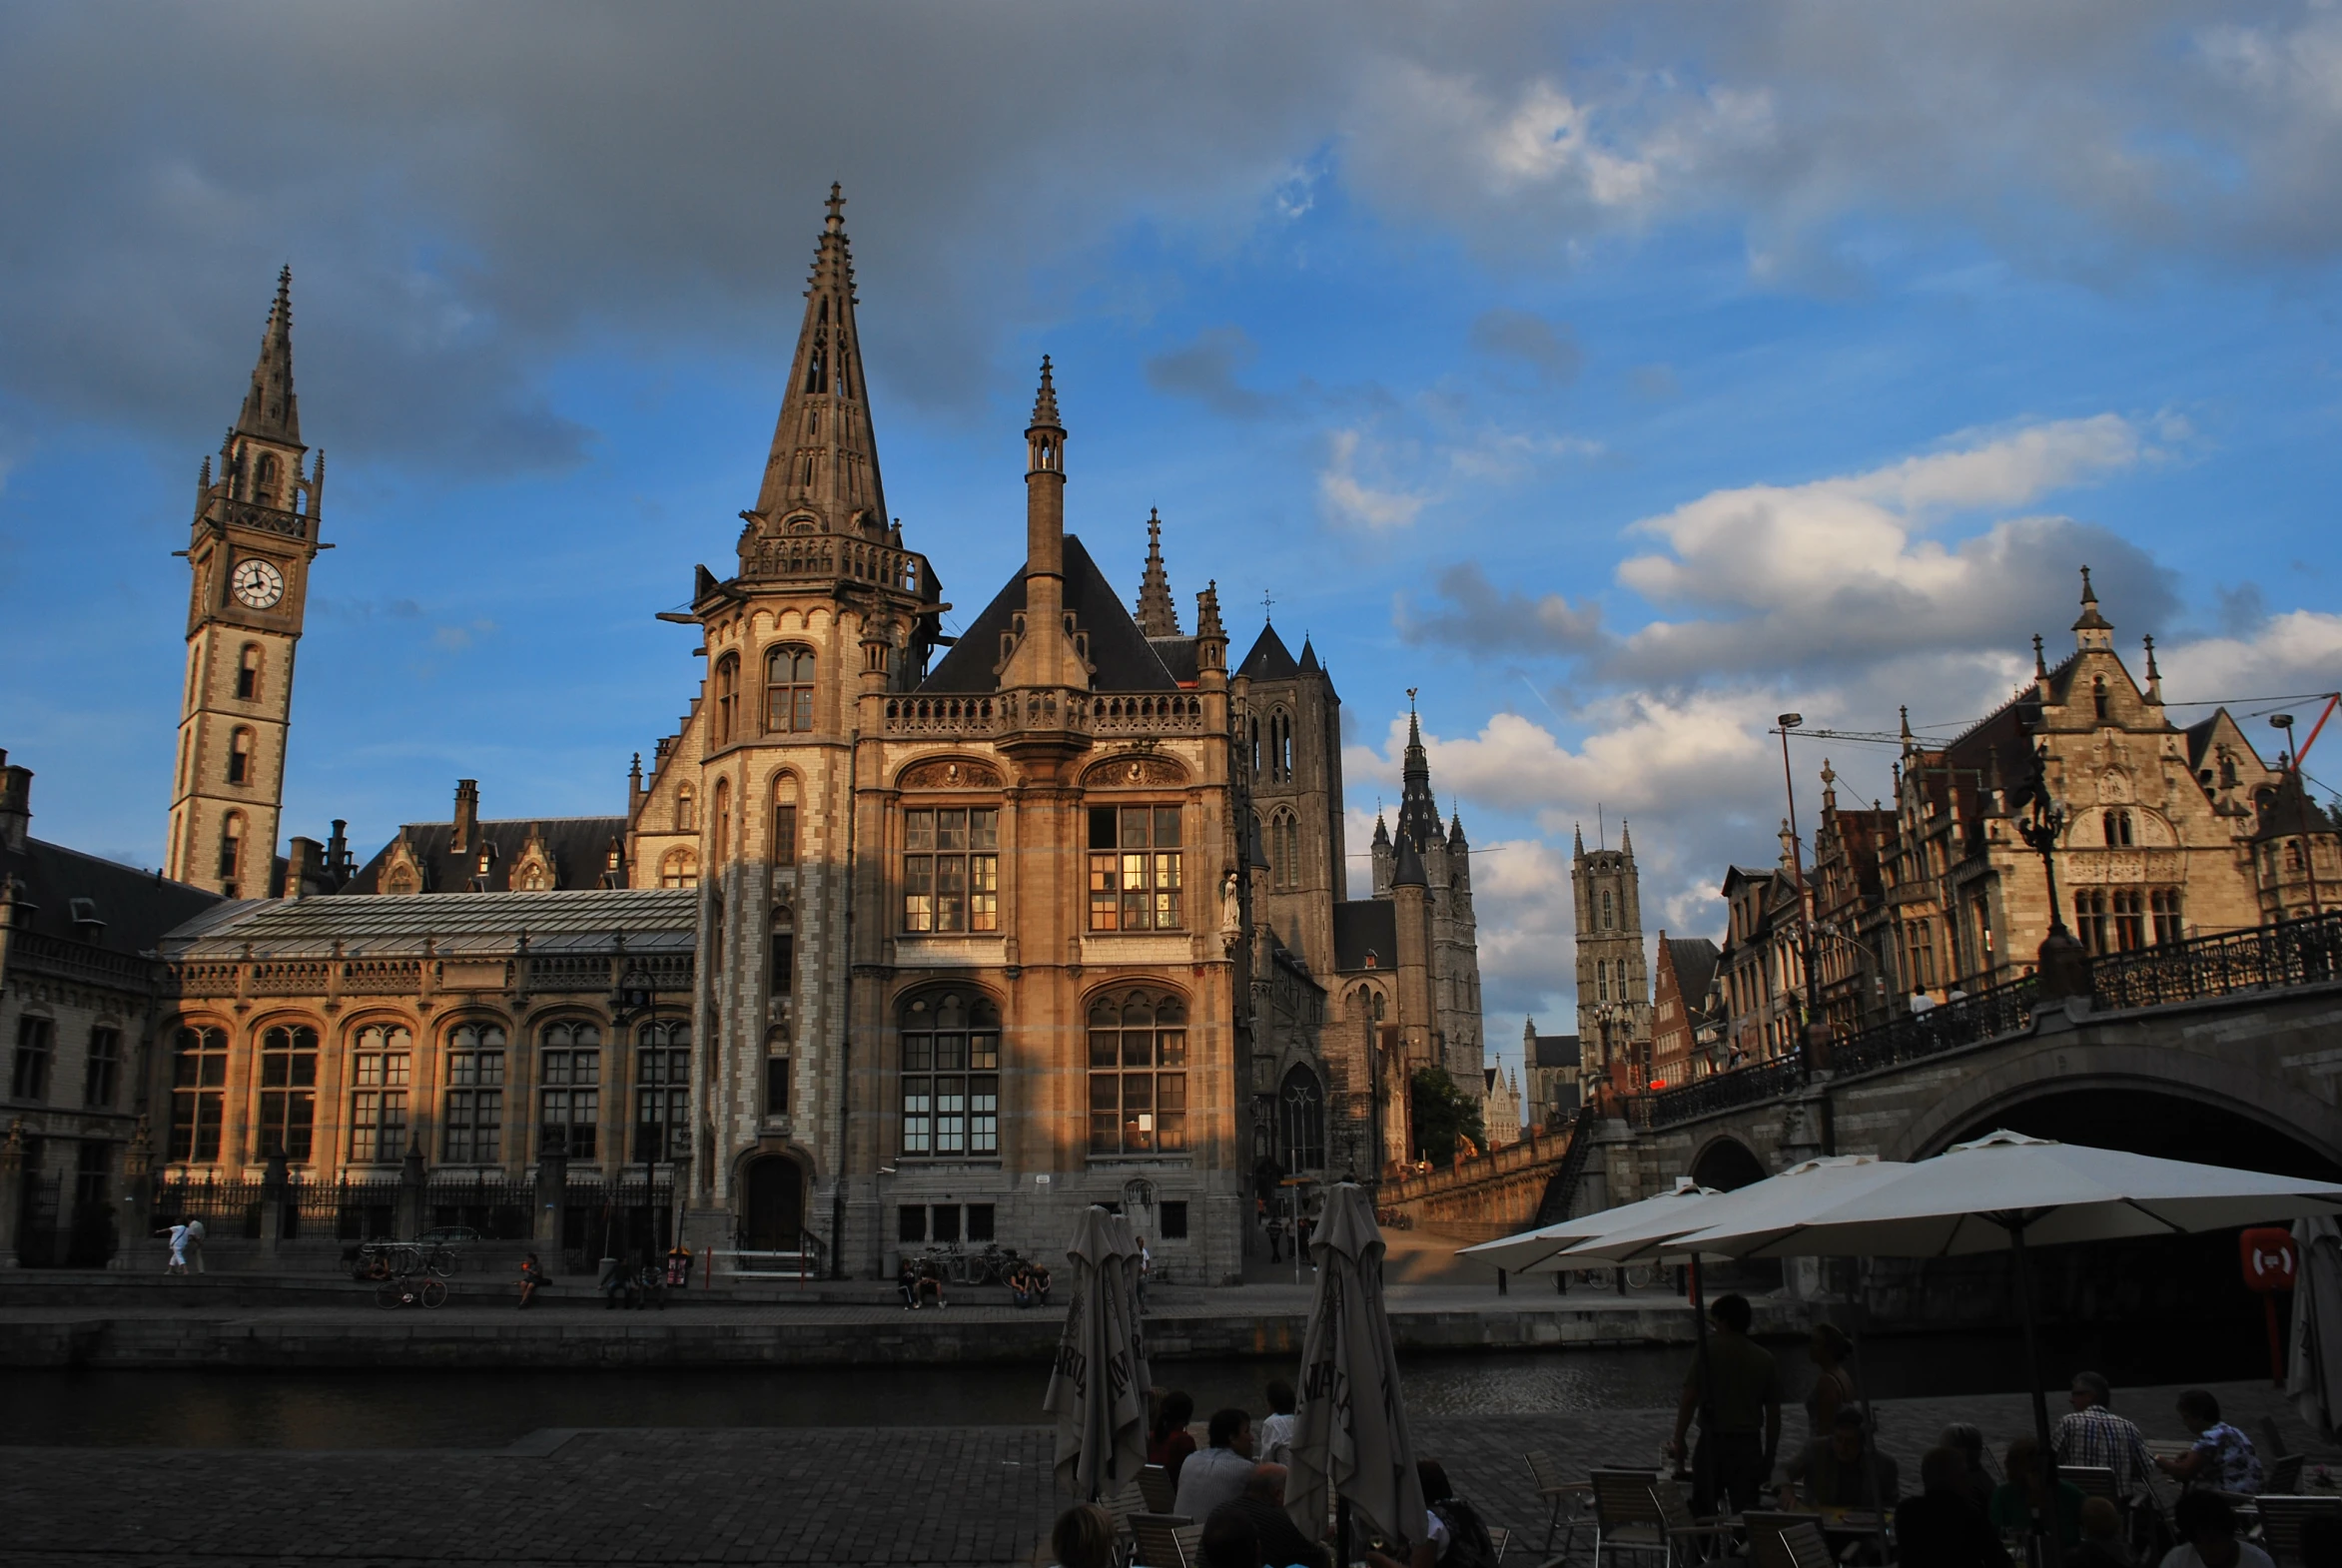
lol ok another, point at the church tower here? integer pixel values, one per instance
(1290, 745)
(255, 534)
(1614, 983)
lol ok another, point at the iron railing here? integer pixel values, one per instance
(1743, 1086)
(2301, 951)
(1990, 1014)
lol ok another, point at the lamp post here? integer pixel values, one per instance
(637, 998)
(2309, 848)
(2064, 965)
(1816, 1031)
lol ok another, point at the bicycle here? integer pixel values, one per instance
(425, 1290)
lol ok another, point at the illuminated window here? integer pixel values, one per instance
(289, 1091)
(788, 690)
(727, 685)
(569, 1099)
(951, 869)
(475, 1095)
(662, 1090)
(381, 1063)
(1138, 1073)
(1135, 868)
(199, 1078)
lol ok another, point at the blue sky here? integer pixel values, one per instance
(1618, 376)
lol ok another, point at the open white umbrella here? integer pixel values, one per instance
(2010, 1190)
(1801, 1186)
(1098, 1388)
(1350, 1425)
(1539, 1252)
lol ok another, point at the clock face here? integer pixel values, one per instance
(258, 583)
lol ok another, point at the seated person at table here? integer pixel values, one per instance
(2222, 1458)
(1169, 1442)
(2094, 1435)
(1943, 1527)
(1970, 1444)
(2028, 1487)
(1229, 1542)
(1213, 1475)
(2101, 1538)
(1084, 1537)
(1847, 1471)
(2207, 1534)
(1263, 1503)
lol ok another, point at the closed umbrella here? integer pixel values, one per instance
(2314, 1375)
(1539, 1252)
(1350, 1424)
(2011, 1190)
(1098, 1388)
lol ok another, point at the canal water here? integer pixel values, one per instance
(486, 1409)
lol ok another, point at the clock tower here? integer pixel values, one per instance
(256, 533)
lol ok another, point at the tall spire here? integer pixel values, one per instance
(271, 413)
(824, 463)
(2091, 629)
(1419, 813)
(2155, 675)
(1157, 615)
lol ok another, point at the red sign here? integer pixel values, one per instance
(2269, 1258)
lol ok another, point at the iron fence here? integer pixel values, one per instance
(1990, 1014)
(499, 1207)
(2301, 951)
(1743, 1086)
(231, 1207)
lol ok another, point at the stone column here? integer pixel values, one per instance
(138, 1195)
(276, 1193)
(11, 1190)
(552, 1202)
(411, 1216)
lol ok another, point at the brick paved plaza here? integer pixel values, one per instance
(844, 1495)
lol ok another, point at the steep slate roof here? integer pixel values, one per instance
(136, 907)
(652, 920)
(1124, 660)
(1556, 1051)
(1269, 660)
(1361, 924)
(1694, 961)
(580, 847)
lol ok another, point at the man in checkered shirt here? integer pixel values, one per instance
(2095, 1436)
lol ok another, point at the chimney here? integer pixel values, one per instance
(466, 817)
(16, 804)
(305, 861)
(338, 869)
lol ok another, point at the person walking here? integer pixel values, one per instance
(195, 1244)
(177, 1236)
(1734, 1459)
(1826, 1347)
(1145, 1271)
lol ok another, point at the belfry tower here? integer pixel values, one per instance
(255, 534)
(1614, 980)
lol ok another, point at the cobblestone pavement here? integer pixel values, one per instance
(973, 1496)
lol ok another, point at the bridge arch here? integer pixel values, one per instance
(2149, 1100)
(1724, 1162)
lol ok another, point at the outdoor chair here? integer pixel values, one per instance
(1682, 1530)
(1120, 1504)
(1805, 1546)
(1498, 1539)
(1766, 1547)
(1155, 1484)
(1166, 1540)
(2286, 1474)
(2094, 1480)
(2282, 1519)
(1567, 1496)
(1626, 1516)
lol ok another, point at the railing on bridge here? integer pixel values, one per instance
(2301, 951)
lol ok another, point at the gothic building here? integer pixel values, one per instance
(1614, 986)
(901, 937)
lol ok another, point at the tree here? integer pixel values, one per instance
(1439, 1111)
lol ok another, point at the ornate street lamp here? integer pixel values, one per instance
(2063, 964)
(1816, 1031)
(2309, 848)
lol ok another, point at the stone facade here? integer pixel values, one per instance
(1614, 980)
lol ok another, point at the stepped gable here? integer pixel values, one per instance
(1126, 661)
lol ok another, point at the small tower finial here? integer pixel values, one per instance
(2040, 663)
(1045, 402)
(2089, 595)
(2155, 675)
(836, 222)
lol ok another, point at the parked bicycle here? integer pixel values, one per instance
(411, 1291)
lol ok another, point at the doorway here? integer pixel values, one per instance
(776, 1205)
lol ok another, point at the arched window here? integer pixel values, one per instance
(1601, 980)
(1381, 1004)
(1280, 746)
(239, 756)
(381, 1062)
(2098, 697)
(1300, 1107)
(686, 810)
(2089, 919)
(680, 869)
(1609, 921)
(1253, 725)
(288, 1092)
(265, 476)
(784, 840)
(1138, 1073)
(1284, 851)
(1625, 995)
(720, 822)
(231, 850)
(569, 1103)
(2164, 905)
(475, 1095)
(788, 690)
(951, 1042)
(199, 1081)
(2118, 830)
(247, 673)
(727, 685)
(662, 1088)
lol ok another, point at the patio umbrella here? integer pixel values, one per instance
(2011, 1190)
(1350, 1425)
(2314, 1371)
(1539, 1252)
(1098, 1388)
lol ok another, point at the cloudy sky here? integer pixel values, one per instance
(1618, 375)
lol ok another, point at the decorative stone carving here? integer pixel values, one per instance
(1126, 772)
(951, 775)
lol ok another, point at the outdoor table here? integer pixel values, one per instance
(1845, 1526)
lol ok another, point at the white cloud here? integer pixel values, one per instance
(2299, 651)
(1355, 502)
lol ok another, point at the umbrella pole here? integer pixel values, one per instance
(1706, 1436)
(1861, 1400)
(2021, 1268)
(1341, 1530)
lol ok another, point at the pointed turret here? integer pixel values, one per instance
(1157, 615)
(1409, 870)
(2091, 629)
(822, 475)
(2155, 675)
(1310, 664)
(1381, 832)
(271, 413)
(1577, 841)
(1455, 831)
(1419, 813)
(1626, 839)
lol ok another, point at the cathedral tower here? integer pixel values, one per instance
(1614, 983)
(1290, 746)
(255, 534)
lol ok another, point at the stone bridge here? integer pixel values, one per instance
(2226, 1049)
